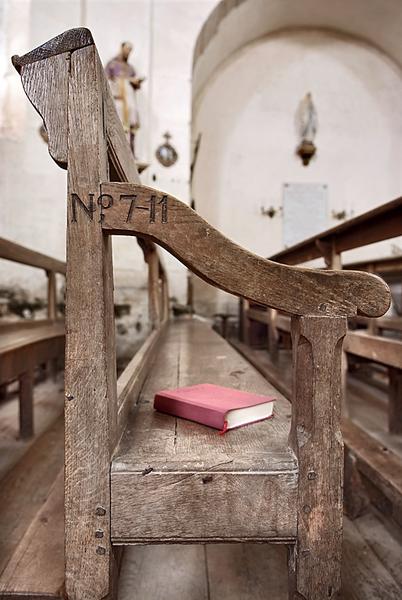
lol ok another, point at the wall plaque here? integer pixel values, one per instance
(305, 211)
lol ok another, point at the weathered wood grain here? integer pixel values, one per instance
(316, 438)
(364, 577)
(395, 400)
(379, 466)
(228, 266)
(25, 488)
(384, 540)
(22, 349)
(132, 379)
(51, 295)
(46, 85)
(17, 253)
(26, 404)
(241, 474)
(36, 568)
(91, 402)
(376, 348)
(68, 41)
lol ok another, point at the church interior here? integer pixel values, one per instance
(201, 220)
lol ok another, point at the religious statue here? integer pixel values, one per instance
(307, 124)
(124, 83)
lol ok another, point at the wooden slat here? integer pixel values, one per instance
(36, 568)
(376, 348)
(384, 541)
(6, 326)
(379, 465)
(386, 266)
(258, 315)
(23, 350)
(381, 223)
(25, 488)
(23, 336)
(138, 210)
(132, 379)
(20, 254)
(364, 577)
(194, 463)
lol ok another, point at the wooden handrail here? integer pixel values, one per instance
(390, 267)
(381, 223)
(25, 256)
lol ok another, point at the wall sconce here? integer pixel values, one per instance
(166, 153)
(307, 125)
(271, 211)
(341, 215)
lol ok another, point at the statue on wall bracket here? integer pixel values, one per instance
(124, 84)
(307, 125)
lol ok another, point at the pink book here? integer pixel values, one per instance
(213, 405)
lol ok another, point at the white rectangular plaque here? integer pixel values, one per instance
(305, 211)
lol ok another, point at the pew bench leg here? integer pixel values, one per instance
(395, 400)
(3, 391)
(26, 404)
(315, 559)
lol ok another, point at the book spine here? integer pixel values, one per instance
(185, 410)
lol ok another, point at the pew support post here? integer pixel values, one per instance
(395, 400)
(26, 404)
(316, 438)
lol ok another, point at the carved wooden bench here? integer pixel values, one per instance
(24, 345)
(151, 478)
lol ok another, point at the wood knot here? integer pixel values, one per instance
(100, 511)
(147, 470)
(207, 479)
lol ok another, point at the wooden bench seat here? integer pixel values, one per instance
(194, 465)
(21, 350)
(26, 337)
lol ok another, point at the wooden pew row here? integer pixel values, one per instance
(385, 351)
(27, 344)
(381, 223)
(32, 533)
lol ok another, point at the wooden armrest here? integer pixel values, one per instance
(126, 209)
